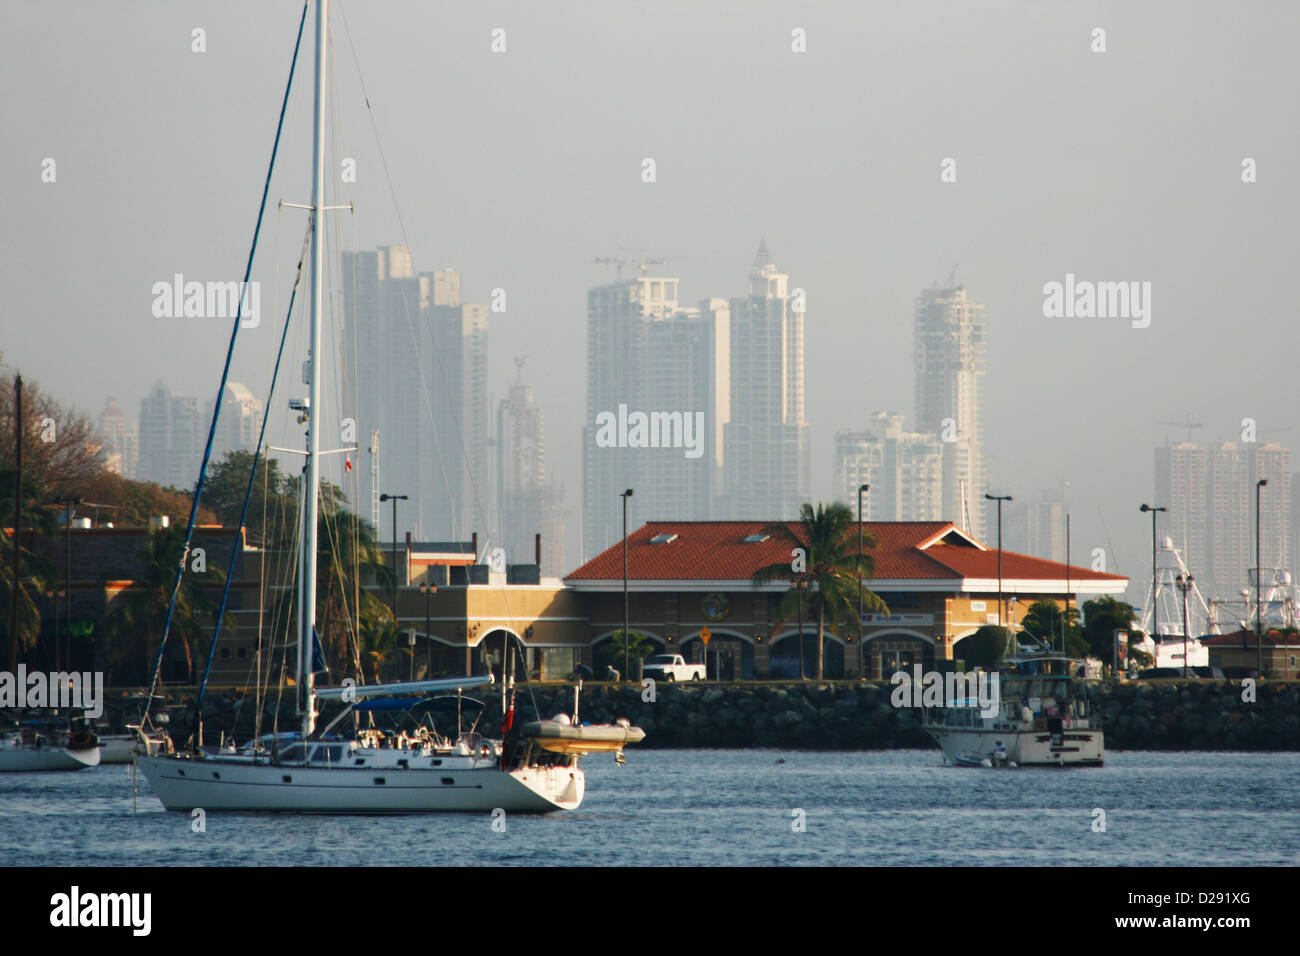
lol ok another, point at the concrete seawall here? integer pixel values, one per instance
(857, 715)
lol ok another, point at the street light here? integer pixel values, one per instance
(1184, 585)
(999, 499)
(1259, 619)
(625, 495)
(395, 499)
(428, 590)
(1155, 577)
(862, 489)
(67, 580)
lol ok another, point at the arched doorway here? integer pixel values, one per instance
(729, 656)
(604, 654)
(783, 660)
(894, 650)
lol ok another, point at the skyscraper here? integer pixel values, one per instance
(528, 504)
(766, 442)
(418, 370)
(172, 437)
(904, 469)
(1182, 472)
(948, 357)
(240, 421)
(121, 440)
(657, 396)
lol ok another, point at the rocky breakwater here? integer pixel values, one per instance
(850, 715)
(1200, 715)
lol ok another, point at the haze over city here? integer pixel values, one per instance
(517, 168)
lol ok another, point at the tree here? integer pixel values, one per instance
(61, 452)
(984, 648)
(1044, 620)
(826, 561)
(227, 484)
(135, 626)
(36, 572)
(639, 647)
(1102, 617)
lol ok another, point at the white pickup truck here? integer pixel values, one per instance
(671, 667)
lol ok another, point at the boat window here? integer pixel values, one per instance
(291, 753)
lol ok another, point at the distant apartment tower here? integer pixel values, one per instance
(1035, 525)
(658, 393)
(418, 375)
(1211, 500)
(240, 422)
(528, 505)
(948, 357)
(1182, 471)
(904, 470)
(172, 437)
(767, 469)
(121, 440)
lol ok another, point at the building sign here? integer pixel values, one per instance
(978, 606)
(878, 620)
(990, 619)
(716, 606)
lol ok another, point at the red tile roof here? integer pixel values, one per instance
(1273, 638)
(905, 550)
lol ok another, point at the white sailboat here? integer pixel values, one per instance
(34, 747)
(370, 774)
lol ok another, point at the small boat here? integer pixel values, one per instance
(560, 735)
(1045, 718)
(124, 748)
(37, 746)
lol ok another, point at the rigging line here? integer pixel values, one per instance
(455, 418)
(401, 225)
(252, 474)
(225, 376)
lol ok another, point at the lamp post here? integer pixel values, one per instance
(67, 579)
(626, 638)
(428, 590)
(999, 499)
(395, 499)
(800, 586)
(1184, 585)
(1155, 576)
(862, 489)
(1259, 618)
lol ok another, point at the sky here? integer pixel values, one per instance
(519, 167)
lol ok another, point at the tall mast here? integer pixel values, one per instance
(307, 613)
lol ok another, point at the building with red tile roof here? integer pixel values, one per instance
(940, 583)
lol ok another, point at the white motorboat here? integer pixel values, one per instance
(32, 748)
(124, 748)
(1045, 718)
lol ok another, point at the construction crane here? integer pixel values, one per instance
(1189, 425)
(642, 262)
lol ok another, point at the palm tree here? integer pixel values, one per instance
(135, 627)
(349, 555)
(36, 572)
(831, 569)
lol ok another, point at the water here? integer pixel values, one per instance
(724, 807)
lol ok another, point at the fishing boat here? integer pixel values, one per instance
(365, 772)
(1045, 718)
(47, 745)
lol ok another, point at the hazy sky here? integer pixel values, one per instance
(517, 168)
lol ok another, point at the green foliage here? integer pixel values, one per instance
(36, 573)
(984, 648)
(832, 568)
(1102, 617)
(1044, 620)
(639, 647)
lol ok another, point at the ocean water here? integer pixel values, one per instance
(723, 807)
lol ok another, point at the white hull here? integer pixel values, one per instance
(237, 783)
(21, 759)
(1080, 747)
(116, 748)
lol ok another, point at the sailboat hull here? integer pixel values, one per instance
(184, 784)
(55, 758)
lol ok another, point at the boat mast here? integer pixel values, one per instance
(307, 612)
